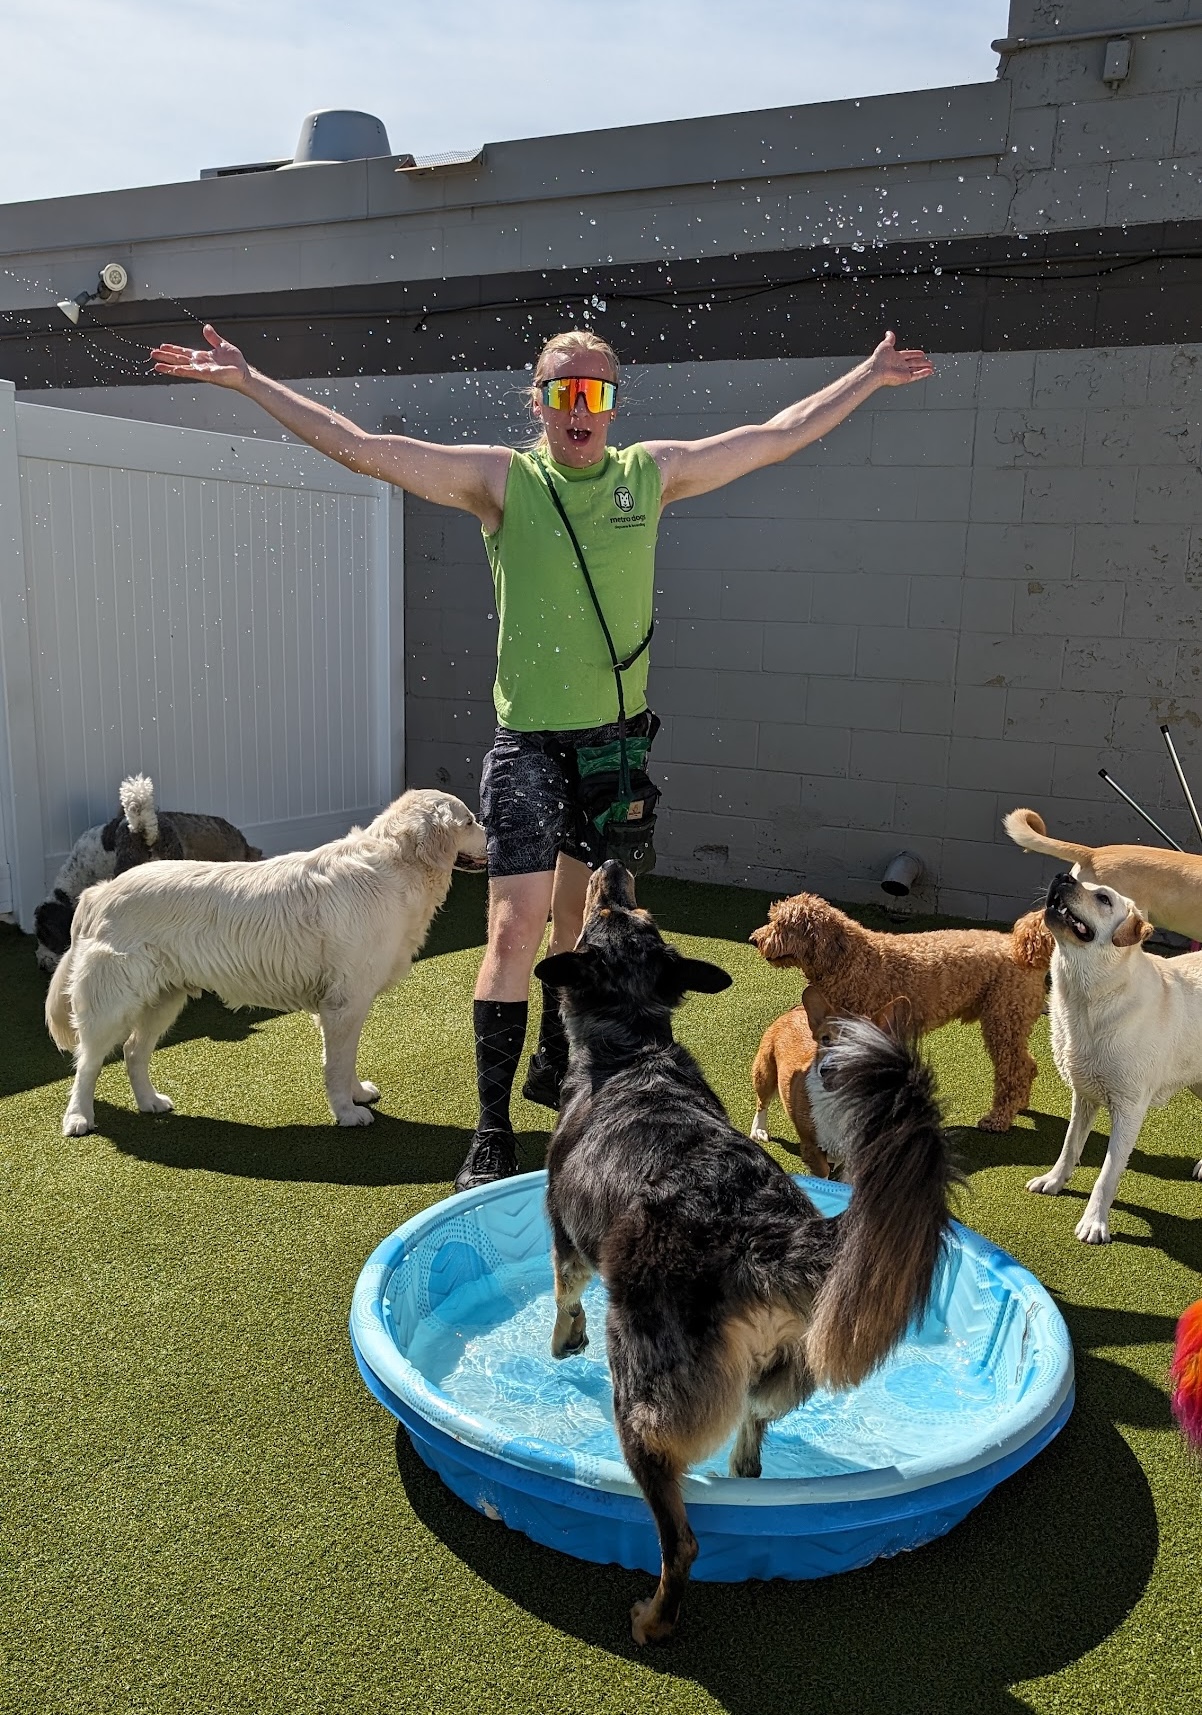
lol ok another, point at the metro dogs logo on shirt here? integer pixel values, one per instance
(626, 517)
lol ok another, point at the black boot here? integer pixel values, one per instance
(500, 1034)
(492, 1155)
(549, 1065)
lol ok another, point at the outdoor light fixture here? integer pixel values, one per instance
(112, 282)
(72, 306)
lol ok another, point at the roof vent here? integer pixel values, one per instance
(339, 134)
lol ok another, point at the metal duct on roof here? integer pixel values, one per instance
(339, 134)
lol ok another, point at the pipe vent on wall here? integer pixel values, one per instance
(903, 873)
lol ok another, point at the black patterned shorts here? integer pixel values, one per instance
(528, 800)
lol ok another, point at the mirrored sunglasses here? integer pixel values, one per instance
(562, 394)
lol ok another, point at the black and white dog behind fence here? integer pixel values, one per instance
(140, 834)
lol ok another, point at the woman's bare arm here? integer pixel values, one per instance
(696, 467)
(471, 478)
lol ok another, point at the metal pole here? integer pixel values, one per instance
(1140, 812)
(1189, 797)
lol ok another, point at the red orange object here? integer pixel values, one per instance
(1187, 1374)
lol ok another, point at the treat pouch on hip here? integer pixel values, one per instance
(622, 811)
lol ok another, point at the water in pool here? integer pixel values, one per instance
(488, 1350)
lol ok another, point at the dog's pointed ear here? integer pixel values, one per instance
(896, 1017)
(1132, 931)
(817, 1008)
(563, 970)
(703, 978)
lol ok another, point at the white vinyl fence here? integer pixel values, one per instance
(210, 609)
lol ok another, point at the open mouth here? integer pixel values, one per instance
(471, 865)
(1074, 924)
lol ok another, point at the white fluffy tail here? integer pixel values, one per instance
(137, 804)
(60, 1020)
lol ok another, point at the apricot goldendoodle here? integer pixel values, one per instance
(980, 976)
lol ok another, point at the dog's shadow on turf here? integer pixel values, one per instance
(1038, 1145)
(1032, 1580)
(33, 1060)
(390, 1152)
(1037, 1148)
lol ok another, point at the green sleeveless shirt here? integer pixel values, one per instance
(553, 668)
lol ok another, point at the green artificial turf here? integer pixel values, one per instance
(203, 1509)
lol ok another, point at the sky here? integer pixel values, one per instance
(104, 94)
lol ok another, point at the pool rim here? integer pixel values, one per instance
(378, 1357)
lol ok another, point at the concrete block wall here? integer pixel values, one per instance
(1085, 154)
(948, 607)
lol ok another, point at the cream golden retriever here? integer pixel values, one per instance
(323, 932)
(1126, 1032)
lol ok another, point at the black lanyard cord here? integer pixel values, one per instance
(619, 667)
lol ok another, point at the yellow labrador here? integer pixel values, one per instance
(1126, 1032)
(1165, 885)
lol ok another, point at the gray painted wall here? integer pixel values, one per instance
(972, 595)
(956, 603)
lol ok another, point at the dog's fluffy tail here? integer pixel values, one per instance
(1026, 828)
(137, 803)
(893, 1235)
(60, 1020)
(1187, 1374)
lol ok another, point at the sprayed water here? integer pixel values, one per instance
(488, 1350)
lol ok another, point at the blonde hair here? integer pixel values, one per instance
(575, 339)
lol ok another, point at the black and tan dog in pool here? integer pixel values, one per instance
(730, 1297)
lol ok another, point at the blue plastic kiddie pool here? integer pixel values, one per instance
(451, 1327)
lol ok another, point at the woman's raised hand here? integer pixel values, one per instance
(223, 363)
(894, 368)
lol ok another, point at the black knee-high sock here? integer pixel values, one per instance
(500, 1034)
(552, 1039)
